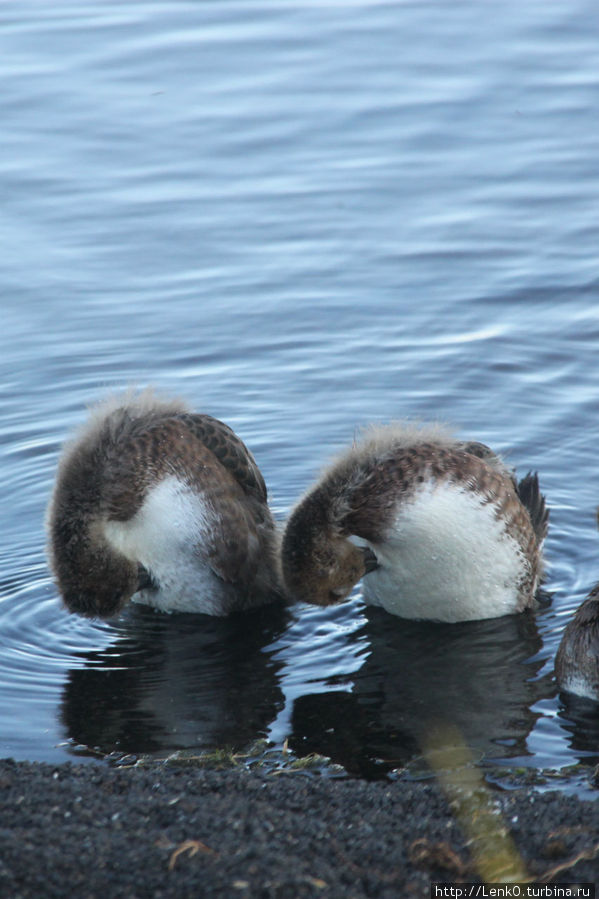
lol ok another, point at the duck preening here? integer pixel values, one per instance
(437, 528)
(577, 659)
(160, 505)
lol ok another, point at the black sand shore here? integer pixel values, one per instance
(159, 831)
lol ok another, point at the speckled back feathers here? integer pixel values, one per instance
(128, 446)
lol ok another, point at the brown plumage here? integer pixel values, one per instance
(577, 659)
(152, 498)
(437, 527)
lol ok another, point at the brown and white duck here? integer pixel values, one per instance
(438, 528)
(163, 506)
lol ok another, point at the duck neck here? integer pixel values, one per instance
(307, 527)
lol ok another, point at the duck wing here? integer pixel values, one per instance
(230, 451)
(206, 454)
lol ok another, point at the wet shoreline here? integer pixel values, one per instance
(162, 830)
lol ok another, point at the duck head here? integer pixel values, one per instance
(321, 564)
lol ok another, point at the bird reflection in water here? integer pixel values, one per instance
(578, 717)
(173, 682)
(422, 679)
(197, 682)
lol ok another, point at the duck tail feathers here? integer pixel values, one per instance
(534, 501)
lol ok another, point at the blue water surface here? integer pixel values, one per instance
(300, 217)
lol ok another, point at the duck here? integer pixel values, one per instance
(577, 659)
(163, 506)
(436, 528)
(576, 665)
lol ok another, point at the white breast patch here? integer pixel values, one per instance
(447, 558)
(166, 536)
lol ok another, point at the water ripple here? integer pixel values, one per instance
(321, 235)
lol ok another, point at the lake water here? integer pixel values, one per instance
(300, 217)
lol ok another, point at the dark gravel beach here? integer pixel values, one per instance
(94, 831)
